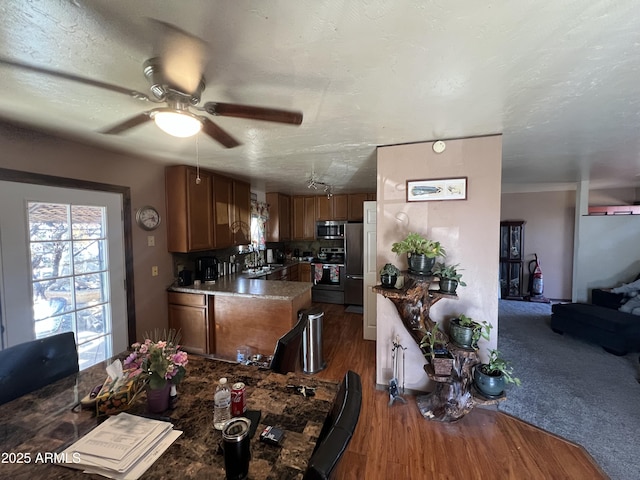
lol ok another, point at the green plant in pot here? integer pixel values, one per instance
(389, 275)
(449, 277)
(435, 351)
(465, 332)
(491, 378)
(421, 252)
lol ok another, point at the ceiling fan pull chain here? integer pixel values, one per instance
(197, 160)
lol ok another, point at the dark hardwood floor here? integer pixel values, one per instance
(398, 443)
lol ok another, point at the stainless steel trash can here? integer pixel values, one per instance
(312, 352)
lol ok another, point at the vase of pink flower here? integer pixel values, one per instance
(161, 364)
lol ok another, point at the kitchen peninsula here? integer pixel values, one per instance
(217, 318)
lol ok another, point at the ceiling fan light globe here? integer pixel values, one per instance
(177, 124)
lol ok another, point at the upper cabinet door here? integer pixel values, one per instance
(340, 207)
(309, 222)
(189, 209)
(304, 217)
(356, 206)
(285, 218)
(279, 224)
(223, 205)
(324, 208)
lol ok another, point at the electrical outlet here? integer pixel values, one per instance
(151, 241)
(154, 271)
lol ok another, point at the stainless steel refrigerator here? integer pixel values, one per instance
(353, 284)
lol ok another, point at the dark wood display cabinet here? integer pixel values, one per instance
(511, 254)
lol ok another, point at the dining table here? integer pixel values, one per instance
(36, 427)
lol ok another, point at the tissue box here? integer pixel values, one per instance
(109, 403)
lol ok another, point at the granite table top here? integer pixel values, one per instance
(45, 422)
(240, 286)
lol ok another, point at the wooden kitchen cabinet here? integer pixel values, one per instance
(223, 204)
(212, 213)
(241, 213)
(324, 208)
(192, 315)
(332, 208)
(293, 272)
(340, 207)
(356, 206)
(304, 217)
(304, 272)
(189, 209)
(279, 224)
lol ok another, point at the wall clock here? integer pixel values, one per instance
(148, 218)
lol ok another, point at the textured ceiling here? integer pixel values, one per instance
(559, 80)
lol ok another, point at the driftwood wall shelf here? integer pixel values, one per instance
(454, 395)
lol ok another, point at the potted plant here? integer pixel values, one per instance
(449, 277)
(389, 275)
(491, 378)
(437, 353)
(421, 252)
(465, 332)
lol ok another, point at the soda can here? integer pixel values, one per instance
(238, 399)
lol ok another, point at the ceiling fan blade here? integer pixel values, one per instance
(218, 134)
(74, 78)
(183, 56)
(256, 113)
(127, 124)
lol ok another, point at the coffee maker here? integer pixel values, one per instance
(206, 269)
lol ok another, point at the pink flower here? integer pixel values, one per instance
(180, 358)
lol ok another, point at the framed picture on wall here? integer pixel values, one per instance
(437, 189)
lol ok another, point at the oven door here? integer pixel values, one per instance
(327, 276)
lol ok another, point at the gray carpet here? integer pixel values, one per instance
(572, 388)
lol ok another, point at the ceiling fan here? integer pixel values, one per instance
(176, 80)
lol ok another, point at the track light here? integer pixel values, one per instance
(328, 189)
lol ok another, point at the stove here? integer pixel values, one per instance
(328, 275)
(330, 256)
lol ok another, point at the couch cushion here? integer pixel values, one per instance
(596, 316)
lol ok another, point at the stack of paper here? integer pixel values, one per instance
(122, 447)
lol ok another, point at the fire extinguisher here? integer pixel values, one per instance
(536, 281)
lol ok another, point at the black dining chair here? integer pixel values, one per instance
(345, 410)
(325, 459)
(286, 357)
(31, 365)
(337, 429)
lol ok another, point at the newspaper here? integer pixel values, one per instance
(123, 447)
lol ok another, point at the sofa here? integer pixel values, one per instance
(599, 322)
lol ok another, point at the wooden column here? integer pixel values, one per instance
(454, 395)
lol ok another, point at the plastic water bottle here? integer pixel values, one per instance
(222, 404)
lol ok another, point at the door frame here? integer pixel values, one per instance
(64, 182)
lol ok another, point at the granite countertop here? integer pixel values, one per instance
(240, 286)
(44, 421)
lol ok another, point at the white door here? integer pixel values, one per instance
(62, 260)
(370, 271)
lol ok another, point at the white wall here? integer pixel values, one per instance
(607, 253)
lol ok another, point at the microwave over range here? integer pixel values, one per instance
(330, 230)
